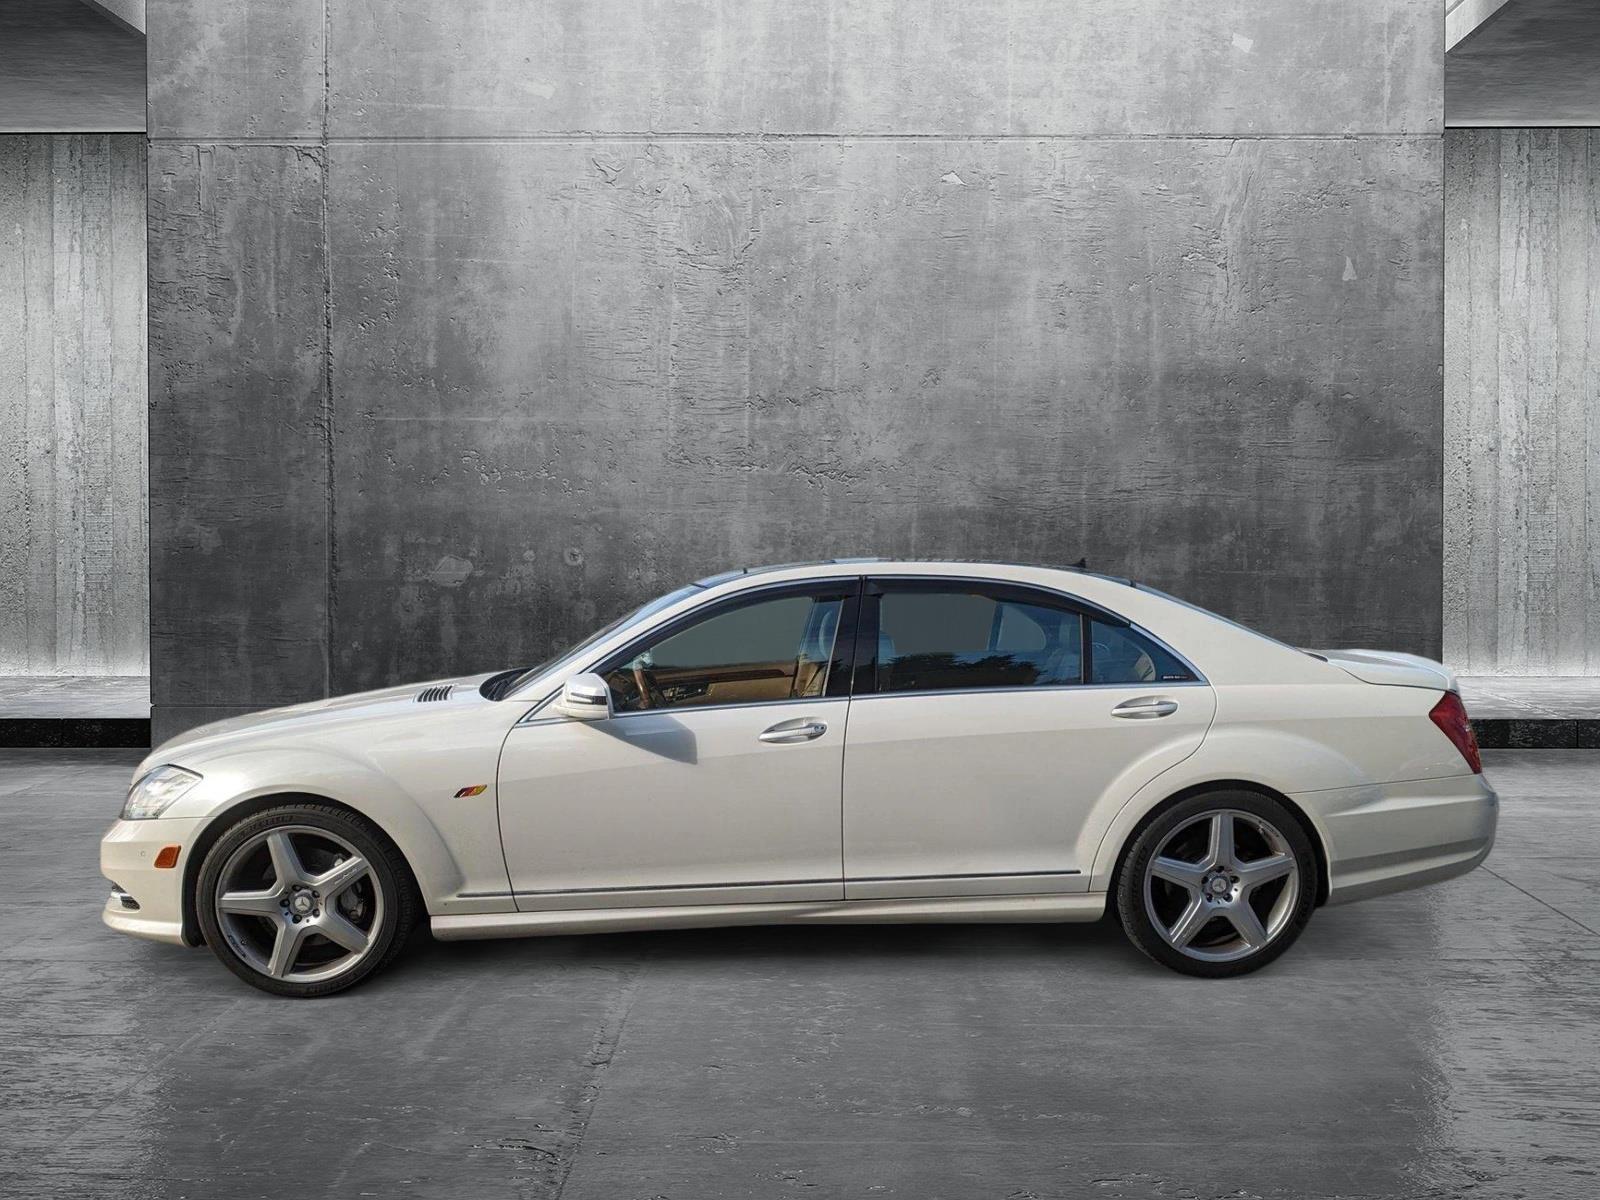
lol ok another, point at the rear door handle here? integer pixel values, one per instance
(1145, 707)
(800, 729)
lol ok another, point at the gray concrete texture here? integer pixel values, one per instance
(412, 68)
(73, 543)
(49, 696)
(1522, 381)
(1440, 1043)
(1462, 18)
(1547, 697)
(474, 325)
(67, 67)
(129, 12)
(1528, 62)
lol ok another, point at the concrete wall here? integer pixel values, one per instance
(474, 324)
(1522, 399)
(73, 552)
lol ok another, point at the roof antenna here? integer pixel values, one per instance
(1082, 564)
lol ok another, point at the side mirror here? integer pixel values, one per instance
(585, 698)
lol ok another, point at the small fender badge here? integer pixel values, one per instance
(472, 791)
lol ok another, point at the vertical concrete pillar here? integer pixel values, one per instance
(73, 591)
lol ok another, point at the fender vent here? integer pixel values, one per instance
(438, 692)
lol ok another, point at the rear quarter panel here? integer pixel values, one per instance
(1300, 739)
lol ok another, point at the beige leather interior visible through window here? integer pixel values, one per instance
(766, 651)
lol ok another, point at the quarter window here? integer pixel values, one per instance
(1121, 655)
(759, 651)
(930, 640)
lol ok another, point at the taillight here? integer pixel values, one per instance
(1450, 715)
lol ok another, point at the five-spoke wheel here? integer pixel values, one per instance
(1219, 884)
(303, 900)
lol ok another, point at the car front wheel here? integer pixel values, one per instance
(304, 900)
(1219, 884)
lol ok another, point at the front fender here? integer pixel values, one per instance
(452, 845)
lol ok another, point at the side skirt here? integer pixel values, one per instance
(1089, 906)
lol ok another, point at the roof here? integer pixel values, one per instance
(953, 565)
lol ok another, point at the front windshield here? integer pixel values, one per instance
(574, 652)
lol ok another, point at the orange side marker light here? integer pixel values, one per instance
(472, 791)
(167, 857)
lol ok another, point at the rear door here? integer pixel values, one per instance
(987, 721)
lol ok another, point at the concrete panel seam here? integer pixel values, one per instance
(327, 362)
(536, 139)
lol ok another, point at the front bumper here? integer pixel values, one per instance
(1389, 837)
(153, 907)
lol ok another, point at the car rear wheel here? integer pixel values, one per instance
(1220, 884)
(304, 900)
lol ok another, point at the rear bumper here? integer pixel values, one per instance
(1389, 837)
(149, 903)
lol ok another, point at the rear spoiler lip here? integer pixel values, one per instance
(1391, 669)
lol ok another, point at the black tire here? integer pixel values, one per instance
(395, 904)
(1130, 895)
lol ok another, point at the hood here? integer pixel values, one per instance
(1388, 667)
(296, 719)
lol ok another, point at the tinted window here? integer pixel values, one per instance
(1122, 655)
(759, 651)
(937, 640)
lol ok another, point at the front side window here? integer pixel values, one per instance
(760, 650)
(972, 637)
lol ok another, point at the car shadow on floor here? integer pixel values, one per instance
(774, 945)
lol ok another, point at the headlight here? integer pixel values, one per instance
(154, 792)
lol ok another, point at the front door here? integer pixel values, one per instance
(717, 781)
(990, 721)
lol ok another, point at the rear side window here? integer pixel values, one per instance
(1118, 654)
(936, 640)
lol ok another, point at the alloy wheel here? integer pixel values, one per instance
(299, 904)
(1222, 886)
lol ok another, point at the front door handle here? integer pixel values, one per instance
(1145, 707)
(800, 729)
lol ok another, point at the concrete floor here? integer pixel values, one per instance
(1514, 697)
(1441, 1043)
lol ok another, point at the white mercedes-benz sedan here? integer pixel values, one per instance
(856, 740)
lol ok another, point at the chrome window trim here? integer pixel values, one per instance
(1078, 602)
(1025, 689)
(1089, 607)
(533, 719)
